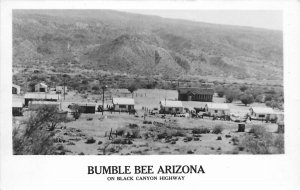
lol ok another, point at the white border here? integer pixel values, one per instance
(222, 171)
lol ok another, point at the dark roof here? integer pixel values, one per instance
(201, 90)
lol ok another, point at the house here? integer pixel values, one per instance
(123, 104)
(17, 107)
(203, 94)
(16, 89)
(217, 109)
(33, 105)
(262, 113)
(41, 87)
(61, 89)
(40, 97)
(171, 107)
(87, 107)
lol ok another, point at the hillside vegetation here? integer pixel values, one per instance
(117, 42)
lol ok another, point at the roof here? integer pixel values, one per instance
(262, 110)
(171, 103)
(16, 86)
(218, 106)
(42, 84)
(87, 104)
(17, 104)
(42, 95)
(201, 90)
(44, 102)
(123, 101)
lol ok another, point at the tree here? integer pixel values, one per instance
(132, 88)
(220, 91)
(243, 88)
(76, 110)
(37, 136)
(247, 99)
(231, 94)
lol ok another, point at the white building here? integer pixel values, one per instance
(261, 113)
(16, 89)
(41, 87)
(33, 105)
(171, 106)
(40, 97)
(217, 109)
(123, 104)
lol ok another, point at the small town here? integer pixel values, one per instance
(188, 120)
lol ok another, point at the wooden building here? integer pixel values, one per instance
(40, 97)
(61, 89)
(203, 94)
(16, 89)
(17, 107)
(34, 105)
(41, 87)
(123, 104)
(88, 107)
(262, 113)
(171, 107)
(217, 109)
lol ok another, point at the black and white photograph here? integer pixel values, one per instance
(142, 82)
(149, 95)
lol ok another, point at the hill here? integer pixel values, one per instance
(106, 40)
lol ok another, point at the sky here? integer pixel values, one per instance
(268, 19)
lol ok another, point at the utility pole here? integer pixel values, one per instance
(103, 89)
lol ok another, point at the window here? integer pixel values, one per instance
(216, 111)
(177, 109)
(122, 106)
(261, 115)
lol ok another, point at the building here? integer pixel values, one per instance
(203, 94)
(40, 97)
(33, 105)
(16, 89)
(123, 104)
(262, 113)
(41, 87)
(17, 107)
(87, 107)
(217, 109)
(171, 107)
(61, 89)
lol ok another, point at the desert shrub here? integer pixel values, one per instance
(90, 140)
(135, 133)
(133, 125)
(258, 130)
(279, 143)
(262, 145)
(120, 131)
(37, 138)
(218, 129)
(201, 130)
(247, 99)
(130, 131)
(76, 110)
(147, 122)
(174, 133)
(161, 135)
(121, 141)
(243, 88)
(235, 140)
(259, 98)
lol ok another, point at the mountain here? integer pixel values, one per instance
(114, 41)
